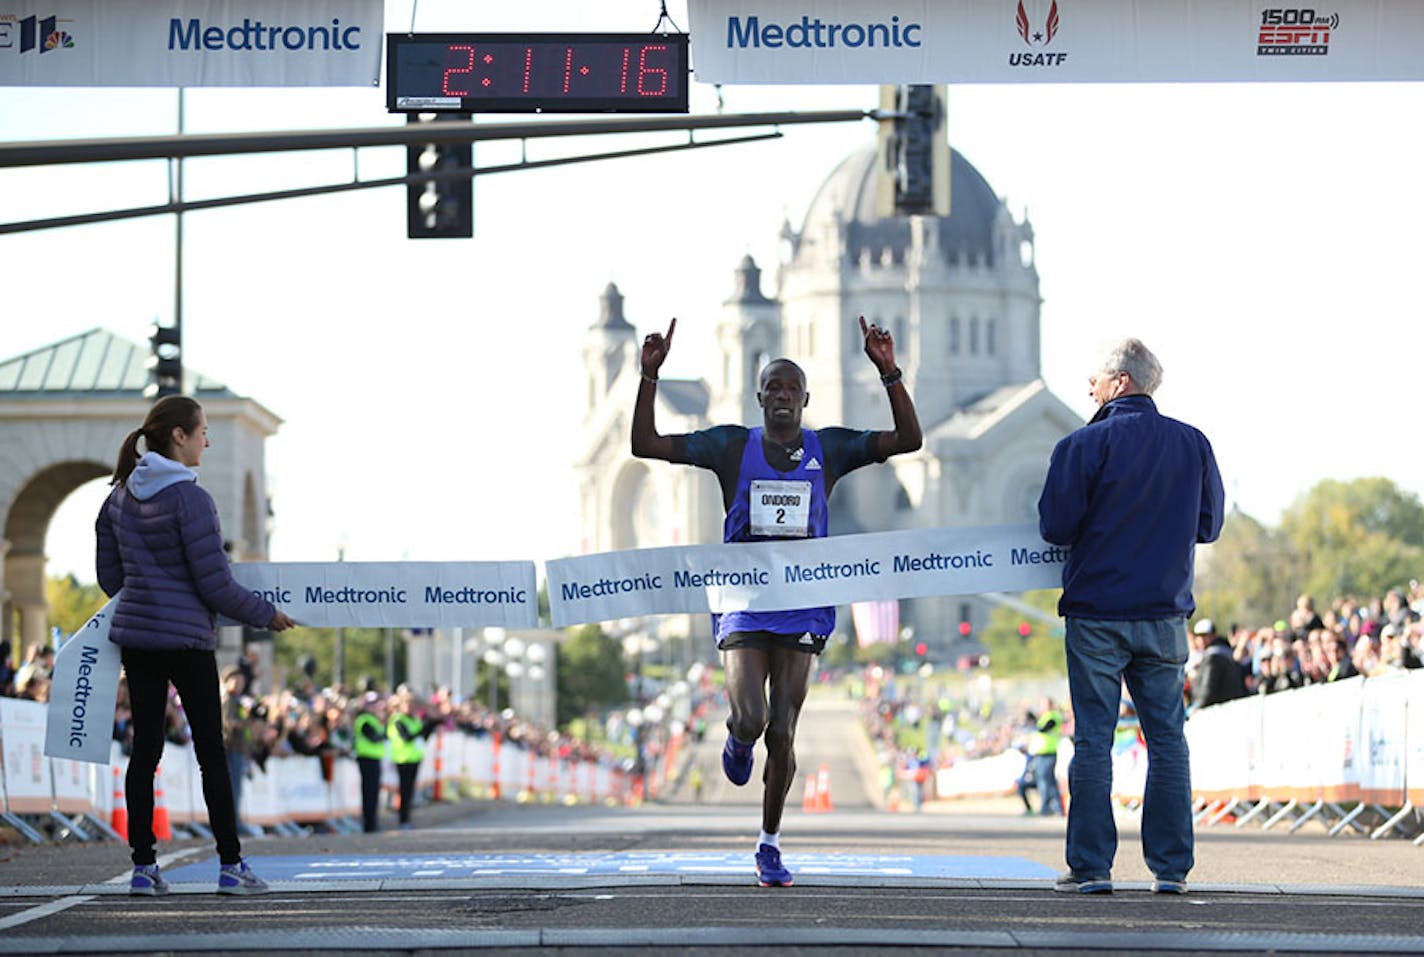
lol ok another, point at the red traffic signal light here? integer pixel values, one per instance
(921, 648)
(1025, 629)
(965, 628)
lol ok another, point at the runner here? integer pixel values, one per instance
(775, 481)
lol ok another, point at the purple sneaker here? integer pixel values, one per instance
(770, 872)
(737, 761)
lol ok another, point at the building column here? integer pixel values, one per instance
(24, 581)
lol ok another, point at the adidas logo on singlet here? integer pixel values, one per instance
(806, 639)
(813, 465)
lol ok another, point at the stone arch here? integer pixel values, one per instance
(64, 410)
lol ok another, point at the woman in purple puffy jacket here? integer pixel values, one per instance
(159, 541)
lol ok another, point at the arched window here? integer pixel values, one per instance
(991, 336)
(974, 336)
(954, 335)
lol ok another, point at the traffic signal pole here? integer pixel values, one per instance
(62, 152)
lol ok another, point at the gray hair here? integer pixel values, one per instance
(1132, 357)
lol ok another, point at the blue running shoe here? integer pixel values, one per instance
(239, 879)
(737, 761)
(1163, 885)
(147, 882)
(770, 872)
(1070, 883)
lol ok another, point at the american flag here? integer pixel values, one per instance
(876, 621)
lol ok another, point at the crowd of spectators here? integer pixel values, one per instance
(1351, 637)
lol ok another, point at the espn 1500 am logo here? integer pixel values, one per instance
(1295, 31)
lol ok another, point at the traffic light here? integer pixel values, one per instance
(439, 208)
(964, 629)
(165, 362)
(921, 649)
(913, 152)
(1025, 630)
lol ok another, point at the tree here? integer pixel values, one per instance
(365, 655)
(1038, 653)
(1360, 537)
(589, 672)
(71, 604)
(1249, 576)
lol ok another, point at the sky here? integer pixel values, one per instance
(1263, 240)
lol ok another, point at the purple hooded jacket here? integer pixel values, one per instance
(159, 541)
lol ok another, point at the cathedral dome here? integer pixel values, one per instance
(848, 196)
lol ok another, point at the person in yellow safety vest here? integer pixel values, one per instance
(1043, 756)
(369, 731)
(407, 732)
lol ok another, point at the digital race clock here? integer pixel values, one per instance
(536, 72)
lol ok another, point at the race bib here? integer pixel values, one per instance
(780, 509)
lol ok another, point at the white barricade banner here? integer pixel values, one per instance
(1384, 715)
(79, 721)
(22, 727)
(260, 43)
(398, 594)
(1414, 739)
(808, 573)
(1222, 740)
(1044, 41)
(1335, 738)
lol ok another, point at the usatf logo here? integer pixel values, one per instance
(1295, 31)
(34, 34)
(1037, 34)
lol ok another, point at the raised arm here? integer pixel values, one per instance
(906, 437)
(647, 443)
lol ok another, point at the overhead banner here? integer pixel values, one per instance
(398, 594)
(1054, 41)
(191, 42)
(766, 576)
(79, 718)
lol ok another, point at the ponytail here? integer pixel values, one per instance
(128, 458)
(168, 413)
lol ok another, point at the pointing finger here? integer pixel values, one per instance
(864, 329)
(671, 326)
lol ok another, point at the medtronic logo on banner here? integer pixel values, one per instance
(255, 35)
(818, 33)
(210, 43)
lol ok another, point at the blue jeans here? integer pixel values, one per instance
(1149, 656)
(1045, 779)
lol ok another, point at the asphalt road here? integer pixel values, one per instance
(675, 878)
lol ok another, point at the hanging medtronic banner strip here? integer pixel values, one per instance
(398, 594)
(767, 576)
(1054, 41)
(259, 43)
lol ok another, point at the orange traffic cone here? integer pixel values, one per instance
(162, 829)
(119, 812)
(823, 788)
(808, 800)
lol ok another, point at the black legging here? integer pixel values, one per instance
(370, 769)
(195, 674)
(406, 773)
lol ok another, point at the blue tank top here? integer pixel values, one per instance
(770, 506)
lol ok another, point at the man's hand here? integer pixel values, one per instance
(655, 349)
(879, 346)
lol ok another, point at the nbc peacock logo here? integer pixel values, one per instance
(35, 34)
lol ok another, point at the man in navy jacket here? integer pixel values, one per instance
(1131, 493)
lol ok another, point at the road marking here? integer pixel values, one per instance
(43, 910)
